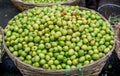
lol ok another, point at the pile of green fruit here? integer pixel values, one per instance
(44, 1)
(59, 37)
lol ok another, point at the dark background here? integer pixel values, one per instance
(8, 11)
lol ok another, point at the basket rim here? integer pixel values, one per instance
(2, 49)
(51, 71)
(43, 4)
(15, 59)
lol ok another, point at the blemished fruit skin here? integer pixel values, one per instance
(58, 37)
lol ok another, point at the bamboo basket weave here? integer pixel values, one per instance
(24, 6)
(1, 44)
(117, 39)
(115, 21)
(89, 70)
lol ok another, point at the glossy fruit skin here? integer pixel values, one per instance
(64, 38)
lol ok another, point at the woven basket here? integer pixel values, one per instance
(24, 6)
(117, 39)
(1, 45)
(115, 21)
(89, 70)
